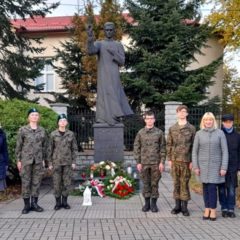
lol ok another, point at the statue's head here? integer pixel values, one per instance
(109, 29)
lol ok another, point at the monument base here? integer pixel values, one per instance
(108, 142)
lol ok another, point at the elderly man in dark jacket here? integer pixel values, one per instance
(227, 190)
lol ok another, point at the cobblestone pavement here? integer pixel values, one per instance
(111, 219)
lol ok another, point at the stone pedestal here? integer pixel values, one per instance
(59, 108)
(108, 142)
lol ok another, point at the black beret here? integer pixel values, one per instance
(32, 110)
(61, 116)
(227, 117)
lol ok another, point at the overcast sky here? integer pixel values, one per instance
(66, 7)
(69, 7)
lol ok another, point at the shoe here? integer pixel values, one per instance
(177, 209)
(34, 206)
(206, 214)
(65, 203)
(146, 207)
(154, 207)
(58, 203)
(224, 213)
(213, 216)
(205, 218)
(185, 211)
(231, 214)
(27, 207)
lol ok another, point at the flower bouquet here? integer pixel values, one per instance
(96, 186)
(119, 186)
(103, 169)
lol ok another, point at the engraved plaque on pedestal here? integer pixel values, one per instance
(108, 142)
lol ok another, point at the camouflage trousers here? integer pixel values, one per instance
(62, 179)
(181, 175)
(31, 177)
(150, 176)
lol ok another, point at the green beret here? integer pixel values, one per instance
(31, 110)
(61, 116)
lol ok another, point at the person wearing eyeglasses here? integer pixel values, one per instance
(150, 153)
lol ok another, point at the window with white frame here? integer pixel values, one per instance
(46, 81)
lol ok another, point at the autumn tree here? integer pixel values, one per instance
(77, 69)
(231, 89)
(89, 63)
(225, 18)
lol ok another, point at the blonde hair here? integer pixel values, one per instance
(211, 116)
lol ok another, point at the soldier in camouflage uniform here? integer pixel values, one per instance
(31, 150)
(179, 149)
(62, 154)
(149, 153)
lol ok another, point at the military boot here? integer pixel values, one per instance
(177, 209)
(146, 207)
(185, 211)
(65, 203)
(154, 207)
(26, 208)
(34, 206)
(58, 203)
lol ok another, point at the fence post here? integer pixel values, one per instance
(170, 114)
(59, 108)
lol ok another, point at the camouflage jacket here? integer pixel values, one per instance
(180, 142)
(31, 145)
(150, 146)
(62, 149)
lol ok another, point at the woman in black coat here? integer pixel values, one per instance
(3, 160)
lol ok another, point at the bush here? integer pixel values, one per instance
(14, 115)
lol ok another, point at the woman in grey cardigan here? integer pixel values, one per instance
(210, 161)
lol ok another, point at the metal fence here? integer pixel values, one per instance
(196, 113)
(81, 123)
(134, 123)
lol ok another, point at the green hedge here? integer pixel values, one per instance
(13, 115)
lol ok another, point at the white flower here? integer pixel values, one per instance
(107, 167)
(113, 164)
(101, 163)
